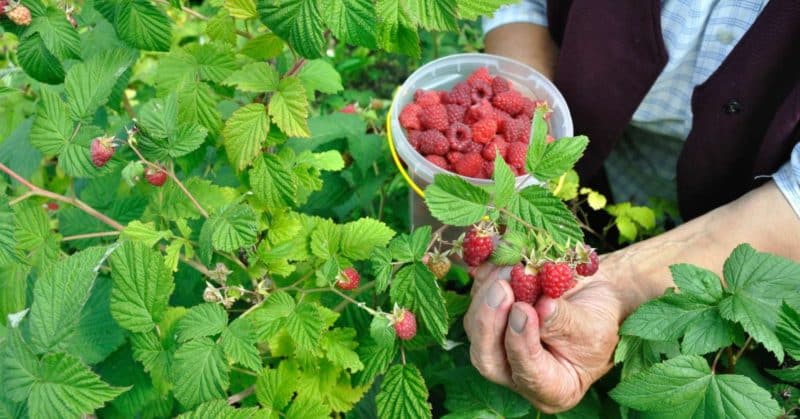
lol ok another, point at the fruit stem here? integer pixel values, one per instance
(716, 359)
(90, 235)
(352, 300)
(741, 350)
(20, 198)
(521, 221)
(435, 236)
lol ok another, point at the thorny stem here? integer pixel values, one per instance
(35, 190)
(238, 397)
(90, 235)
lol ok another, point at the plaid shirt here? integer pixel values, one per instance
(698, 35)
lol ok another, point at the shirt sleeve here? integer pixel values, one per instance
(526, 11)
(788, 179)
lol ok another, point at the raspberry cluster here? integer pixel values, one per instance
(533, 278)
(463, 129)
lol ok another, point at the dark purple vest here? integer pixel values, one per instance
(746, 115)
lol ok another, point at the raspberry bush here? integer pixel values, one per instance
(199, 218)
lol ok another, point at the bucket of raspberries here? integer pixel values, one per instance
(456, 113)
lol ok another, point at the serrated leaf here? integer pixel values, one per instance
(298, 22)
(381, 331)
(455, 201)
(538, 207)
(233, 227)
(270, 317)
(307, 407)
(504, 182)
(220, 409)
(65, 388)
(305, 326)
(790, 375)
(435, 15)
(58, 35)
(558, 157)
(360, 237)
(263, 47)
(397, 30)
(288, 107)
(352, 22)
(273, 182)
(376, 359)
(788, 330)
(163, 136)
(207, 319)
(241, 9)
(255, 77)
(200, 372)
(414, 287)
(473, 9)
(14, 283)
(145, 233)
(8, 243)
(408, 248)
(275, 387)
(245, 133)
(97, 334)
(403, 394)
(238, 341)
(468, 392)
(140, 24)
(142, 286)
(700, 284)
(20, 367)
(382, 268)
(326, 239)
(222, 28)
(685, 387)
(89, 84)
(37, 61)
(339, 345)
(52, 129)
(320, 76)
(197, 105)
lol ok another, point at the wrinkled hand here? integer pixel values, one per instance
(550, 353)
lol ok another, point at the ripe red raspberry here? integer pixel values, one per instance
(155, 177)
(455, 113)
(20, 15)
(589, 267)
(405, 324)
(500, 85)
(469, 165)
(478, 246)
(426, 98)
(556, 278)
(474, 148)
(413, 138)
(510, 101)
(550, 138)
(516, 154)
(434, 117)
(439, 264)
(479, 111)
(50, 205)
(519, 171)
(459, 135)
(480, 74)
(490, 151)
(433, 142)
(409, 116)
(438, 161)
(460, 95)
(525, 283)
(528, 106)
(518, 130)
(351, 108)
(487, 169)
(481, 90)
(484, 130)
(101, 150)
(454, 156)
(501, 117)
(348, 279)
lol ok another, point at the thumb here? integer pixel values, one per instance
(557, 317)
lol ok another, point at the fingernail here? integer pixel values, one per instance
(504, 273)
(517, 320)
(547, 310)
(495, 296)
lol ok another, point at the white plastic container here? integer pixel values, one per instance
(443, 74)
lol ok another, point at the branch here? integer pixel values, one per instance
(90, 235)
(238, 397)
(742, 349)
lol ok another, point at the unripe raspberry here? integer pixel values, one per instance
(155, 177)
(405, 324)
(439, 264)
(101, 150)
(348, 279)
(19, 14)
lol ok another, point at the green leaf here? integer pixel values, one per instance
(381, 331)
(273, 182)
(305, 326)
(381, 260)
(59, 296)
(163, 137)
(97, 334)
(142, 286)
(627, 229)
(473, 9)
(58, 35)
(643, 216)
(263, 47)
(416, 288)
(245, 133)
(37, 61)
(238, 341)
(220, 409)
(538, 207)
(360, 237)
(89, 84)
(559, 156)
(685, 387)
(320, 76)
(403, 394)
(241, 9)
(197, 105)
(270, 317)
(758, 284)
(256, 78)
(455, 201)
(200, 372)
(288, 107)
(234, 227)
(790, 375)
(700, 284)
(222, 28)
(8, 245)
(52, 129)
(145, 233)
(20, 367)
(325, 239)
(275, 387)
(436, 15)
(408, 248)
(298, 22)
(538, 140)
(504, 182)
(65, 388)
(14, 283)
(397, 30)
(339, 345)
(468, 392)
(307, 407)
(788, 330)
(207, 319)
(139, 23)
(351, 21)
(376, 359)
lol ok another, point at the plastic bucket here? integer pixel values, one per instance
(443, 74)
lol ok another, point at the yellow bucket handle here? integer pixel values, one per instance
(396, 158)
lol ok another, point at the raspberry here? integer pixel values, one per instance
(488, 169)
(50, 206)
(351, 108)
(500, 85)
(438, 161)
(409, 116)
(518, 130)
(589, 267)
(510, 101)
(469, 165)
(460, 95)
(101, 150)
(556, 278)
(519, 171)
(413, 138)
(516, 154)
(439, 264)
(502, 118)
(474, 148)
(481, 90)
(459, 136)
(155, 177)
(490, 151)
(405, 324)
(348, 279)
(478, 246)
(20, 15)
(525, 284)
(434, 117)
(426, 98)
(454, 156)
(455, 113)
(484, 130)
(433, 142)
(479, 111)
(528, 106)
(479, 74)
(550, 138)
